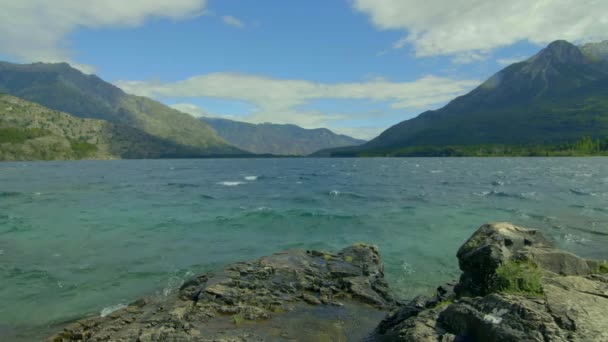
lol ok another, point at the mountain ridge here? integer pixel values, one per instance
(277, 139)
(556, 96)
(29, 131)
(60, 87)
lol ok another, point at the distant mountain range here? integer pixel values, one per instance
(277, 139)
(61, 87)
(555, 97)
(541, 105)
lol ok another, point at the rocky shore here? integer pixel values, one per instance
(515, 286)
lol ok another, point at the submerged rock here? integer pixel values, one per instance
(292, 295)
(515, 286)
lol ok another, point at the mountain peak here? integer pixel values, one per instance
(560, 52)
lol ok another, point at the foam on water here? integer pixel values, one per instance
(250, 178)
(231, 183)
(110, 309)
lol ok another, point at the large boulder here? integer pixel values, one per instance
(292, 295)
(515, 286)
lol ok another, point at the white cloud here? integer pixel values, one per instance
(365, 132)
(191, 109)
(474, 27)
(232, 21)
(312, 118)
(510, 60)
(282, 101)
(34, 30)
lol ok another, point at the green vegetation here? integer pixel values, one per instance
(584, 147)
(19, 135)
(237, 320)
(602, 268)
(443, 303)
(521, 277)
(82, 149)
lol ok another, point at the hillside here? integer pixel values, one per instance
(556, 97)
(277, 139)
(29, 131)
(61, 87)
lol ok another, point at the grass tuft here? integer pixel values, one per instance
(521, 277)
(601, 268)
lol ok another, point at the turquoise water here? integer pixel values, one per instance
(78, 237)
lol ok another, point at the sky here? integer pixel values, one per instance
(354, 66)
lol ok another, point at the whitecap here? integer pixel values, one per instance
(251, 178)
(581, 192)
(334, 193)
(229, 183)
(407, 268)
(110, 309)
(436, 171)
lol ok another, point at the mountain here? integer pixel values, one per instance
(555, 97)
(277, 139)
(61, 87)
(29, 131)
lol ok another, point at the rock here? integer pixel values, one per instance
(489, 247)
(292, 295)
(572, 304)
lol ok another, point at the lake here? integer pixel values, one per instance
(79, 237)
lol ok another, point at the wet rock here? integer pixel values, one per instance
(287, 296)
(571, 306)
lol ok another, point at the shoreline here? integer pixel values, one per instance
(511, 276)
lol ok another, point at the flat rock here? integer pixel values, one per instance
(292, 295)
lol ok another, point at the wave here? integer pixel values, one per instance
(231, 183)
(110, 309)
(503, 194)
(251, 178)
(8, 194)
(582, 192)
(184, 185)
(274, 214)
(351, 195)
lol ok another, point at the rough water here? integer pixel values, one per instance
(81, 238)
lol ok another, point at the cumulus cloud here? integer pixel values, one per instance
(284, 101)
(307, 119)
(191, 109)
(510, 60)
(34, 30)
(232, 21)
(474, 27)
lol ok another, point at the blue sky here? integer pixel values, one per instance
(355, 66)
